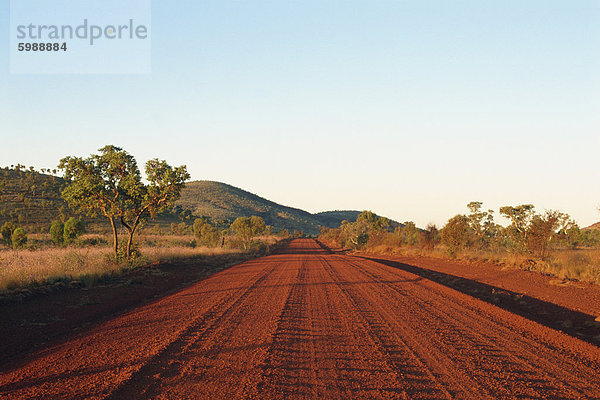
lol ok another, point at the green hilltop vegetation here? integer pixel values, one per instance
(222, 203)
(333, 219)
(32, 200)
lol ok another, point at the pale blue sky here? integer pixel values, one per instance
(408, 108)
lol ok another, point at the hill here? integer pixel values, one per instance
(223, 202)
(592, 227)
(333, 219)
(32, 199)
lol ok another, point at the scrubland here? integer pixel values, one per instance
(549, 243)
(90, 259)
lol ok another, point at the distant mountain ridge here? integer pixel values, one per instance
(33, 200)
(593, 226)
(220, 201)
(333, 219)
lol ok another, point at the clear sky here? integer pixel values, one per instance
(407, 108)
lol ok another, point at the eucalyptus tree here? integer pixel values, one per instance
(110, 184)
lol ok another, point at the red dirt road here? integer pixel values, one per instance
(308, 324)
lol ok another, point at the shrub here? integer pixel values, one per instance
(542, 229)
(431, 236)
(57, 229)
(7, 231)
(73, 228)
(258, 248)
(19, 238)
(457, 234)
(180, 229)
(135, 255)
(247, 227)
(206, 234)
(409, 233)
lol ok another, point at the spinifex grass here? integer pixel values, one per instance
(89, 264)
(580, 264)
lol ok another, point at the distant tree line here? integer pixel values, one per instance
(529, 232)
(370, 230)
(241, 233)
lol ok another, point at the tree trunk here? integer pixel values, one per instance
(129, 242)
(115, 237)
(131, 229)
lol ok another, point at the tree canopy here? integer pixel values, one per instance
(110, 184)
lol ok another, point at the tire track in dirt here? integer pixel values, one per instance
(201, 344)
(71, 370)
(415, 369)
(475, 340)
(324, 348)
(290, 358)
(480, 319)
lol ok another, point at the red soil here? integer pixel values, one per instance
(309, 324)
(569, 306)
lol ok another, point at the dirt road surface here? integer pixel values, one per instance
(307, 324)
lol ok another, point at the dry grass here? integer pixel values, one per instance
(90, 258)
(27, 267)
(88, 265)
(581, 264)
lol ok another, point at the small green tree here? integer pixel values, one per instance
(354, 235)
(298, 233)
(373, 221)
(7, 231)
(409, 233)
(19, 238)
(520, 218)
(57, 229)
(482, 224)
(367, 227)
(243, 230)
(180, 229)
(543, 229)
(246, 228)
(283, 233)
(573, 235)
(147, 200)
(457, 234)
(73, 228)
(205, 233)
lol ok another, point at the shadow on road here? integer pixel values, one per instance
(574, 323)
